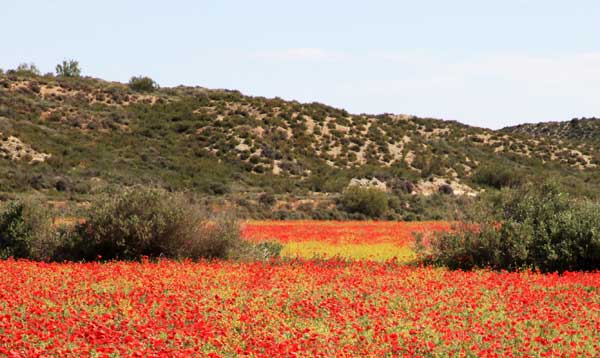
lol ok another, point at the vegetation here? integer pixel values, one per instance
(25, 231)
(304, 308)
(27, 69)
(537, 227)
(498, 177)
(142, 84)
(68, 68)
(79, 137)
(151, 222)
(370, 202)
(579, 129)
(129, 225)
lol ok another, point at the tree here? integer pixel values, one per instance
(371, 202)
(498, 176)
(142, 84)
(68, 68)
(537, 226)
(27, 69)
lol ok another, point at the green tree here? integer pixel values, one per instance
(26, 231)
(68, 68)
(367, 201)
(142, 84)
(27, 69)
(537, 226)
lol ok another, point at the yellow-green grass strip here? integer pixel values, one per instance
(376, 252)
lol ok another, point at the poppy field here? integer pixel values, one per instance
(294, 307)
(371, 240)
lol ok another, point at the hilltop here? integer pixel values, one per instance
(581, 130)
(71, 138)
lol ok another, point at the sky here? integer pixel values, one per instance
(485, 63)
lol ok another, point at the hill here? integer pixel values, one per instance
(71, 138)
(582, 130)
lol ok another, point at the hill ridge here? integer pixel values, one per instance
(98, 133)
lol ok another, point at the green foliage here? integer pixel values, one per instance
(226, 145)
(68, 68)
(267, 199)
(142, 84)
(26, 231)
(262, 251)
(27, 69)
(129, 225)
(537, 227)
(367, 201)
(498, 176)
(151, 222)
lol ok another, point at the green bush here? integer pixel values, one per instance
(367, 201)
(27, 69)
(26, 231)
(129, 225)
(538, 227)
(142, 84)
(498, 177)
(267, 199)
(68, 68)
(152, 222)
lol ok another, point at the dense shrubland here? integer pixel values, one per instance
(230, 147)
(537, 227)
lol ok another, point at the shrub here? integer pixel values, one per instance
(498, 177)
(446, 189)
(151, 222)
(133, 224)
(68, 68)
(26, 231)
(142, 84)
(27, 69)
(367, 201)
(267, 199)
(538, 227)
(401, 186)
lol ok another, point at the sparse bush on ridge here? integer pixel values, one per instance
(538, 227)
(68, 68)
(142, 84)
(26, 69)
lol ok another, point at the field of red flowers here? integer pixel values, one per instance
(292, 307)
(339, 233)
(370, 240)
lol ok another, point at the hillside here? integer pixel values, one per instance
(70, 138)
(582, 130)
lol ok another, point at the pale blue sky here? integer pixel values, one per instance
(480, 62)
